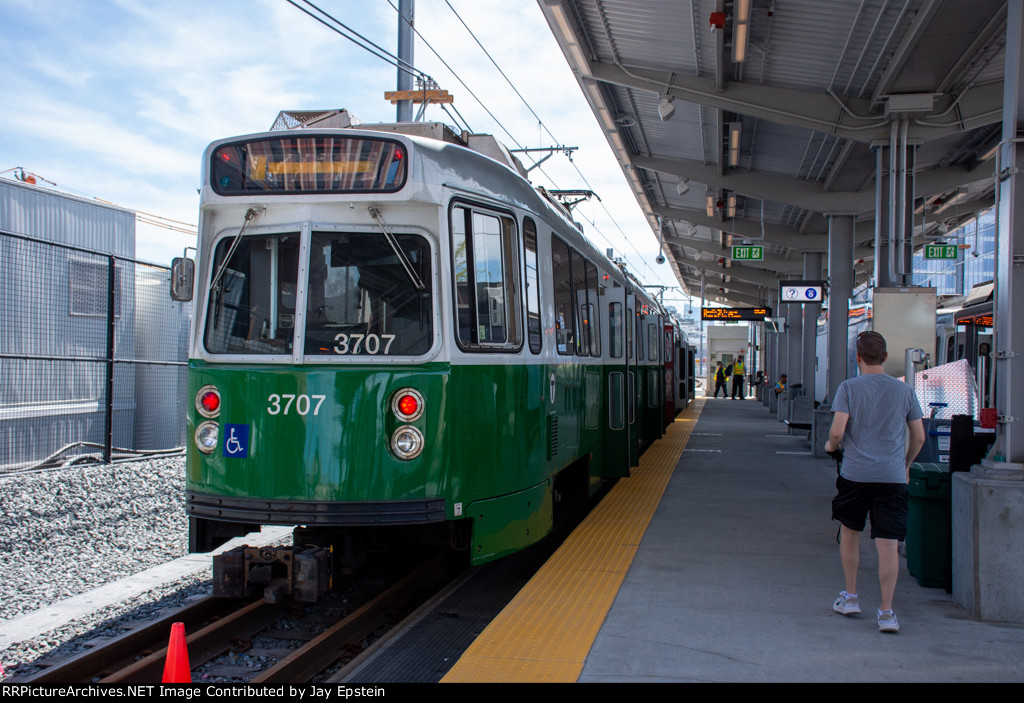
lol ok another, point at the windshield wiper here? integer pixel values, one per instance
(250, 215)
(402, 257)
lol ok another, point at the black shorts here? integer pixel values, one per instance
(887, 503)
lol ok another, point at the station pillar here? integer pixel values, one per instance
(812, 272)
(988, 500)
(794, 347)
(840, 278)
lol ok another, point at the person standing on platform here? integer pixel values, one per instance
(720, 381)
(780, 385)
(737, 377)
(873, 412)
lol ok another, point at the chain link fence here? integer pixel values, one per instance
(94, 359)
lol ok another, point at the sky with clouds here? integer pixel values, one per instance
(116, 99)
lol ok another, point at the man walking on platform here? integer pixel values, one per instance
(737, 377)
(873, 412)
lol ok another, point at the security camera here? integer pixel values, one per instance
(660, 259)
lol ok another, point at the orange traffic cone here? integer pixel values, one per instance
(176, 668)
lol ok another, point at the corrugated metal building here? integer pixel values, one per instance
(56, 253)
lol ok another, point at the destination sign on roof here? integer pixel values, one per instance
(314, 164)
(735, 314)
(940, 251)
(748, 253)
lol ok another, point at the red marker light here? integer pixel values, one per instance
(408, 405)
(399, 154)
(225, 156)
(210, 402)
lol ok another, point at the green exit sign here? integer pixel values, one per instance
(940, 251)
(748, 253)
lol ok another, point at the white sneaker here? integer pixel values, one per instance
(887, 621)
(846, 604)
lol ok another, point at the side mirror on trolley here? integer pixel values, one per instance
(183, 272)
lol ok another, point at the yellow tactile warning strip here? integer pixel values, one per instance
(545, 633)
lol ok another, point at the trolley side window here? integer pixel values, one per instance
(486, 271)
(367, 297)
(251, 306)
(593, 318)
(652, 342)
(533, 325)
(615, 330)
(583, 318)
(561, 274)
(628, 324)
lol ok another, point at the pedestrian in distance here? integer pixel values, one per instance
(737, 377)
(780, 385)
(720, 380)
(873, 412)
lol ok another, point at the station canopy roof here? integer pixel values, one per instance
(723, 151)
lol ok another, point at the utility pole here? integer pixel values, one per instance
(406, 11)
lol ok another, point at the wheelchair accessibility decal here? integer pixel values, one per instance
(236, 441)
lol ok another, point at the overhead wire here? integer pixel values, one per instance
(545, 128)
(345, 31)
(341, 29)
(489, 112)
(456, 76)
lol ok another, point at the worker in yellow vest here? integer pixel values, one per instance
(720, 381)
(780, 385)
(737, 377)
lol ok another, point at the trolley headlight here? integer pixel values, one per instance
(407, 442)
(407, 404)
(207, 436)
(208, 401)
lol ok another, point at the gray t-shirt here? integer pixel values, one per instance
(874, 447)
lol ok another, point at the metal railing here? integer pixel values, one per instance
(94, 358)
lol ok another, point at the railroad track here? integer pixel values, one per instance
(304, 640)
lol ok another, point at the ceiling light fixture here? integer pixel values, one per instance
(740, 30)
(665, 108)
(734, 143)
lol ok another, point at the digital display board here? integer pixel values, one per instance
(313, 164)
(735, 314)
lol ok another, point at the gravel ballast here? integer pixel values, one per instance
(66, 531)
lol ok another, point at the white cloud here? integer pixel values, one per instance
(119, 97)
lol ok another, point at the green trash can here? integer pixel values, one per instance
(929, 526)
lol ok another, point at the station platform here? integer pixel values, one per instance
(717, 561)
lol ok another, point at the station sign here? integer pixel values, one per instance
(748, 253)
(940, 251)
(735, 314)
(801, 291)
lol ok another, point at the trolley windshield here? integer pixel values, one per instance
(367, 298)
(364, 297)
